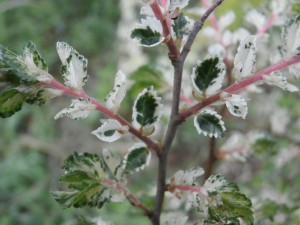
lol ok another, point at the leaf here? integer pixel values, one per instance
(264, 144)
(236, 104)
(147, 109)
(225, 202)
(137, 158)
(245, 58)
(74, 68)
(278, 79)
(79, 109)
(15, 69)
(33, 58)
(11, 101)
(149, 33)
(207, 77)
(291, 37)
(84, 174)
(209, 123)
(110, 131)
(182, 26)
(115, 97)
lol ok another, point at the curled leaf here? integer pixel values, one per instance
(74, 68)
(110, 131)
(79, 109)
(236, 104)
(115, 97)
(278, 79)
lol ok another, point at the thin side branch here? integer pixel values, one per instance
(130, 197)
(68, 91)
(238, 86)
(173, 50)
(197, 27)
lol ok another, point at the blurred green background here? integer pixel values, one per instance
(33, 145)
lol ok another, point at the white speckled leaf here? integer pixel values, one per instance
(245, 59)
(278, 79)
(74, 68)
(79, 109)
(115, 97)
(291, 37)
(236, 104)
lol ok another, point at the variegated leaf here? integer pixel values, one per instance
(137, 158)
(110, 131)
(291, 37)
(79, 109)
(147, 110)
(74, 68)
(149, 33)
(207, 77)
(278, 79)
(245, 59)
(236, 104)
(187, 177)
(208, 122)
(115, 97)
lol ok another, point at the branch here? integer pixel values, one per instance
(130, 197)
(68, 91)
(197, 27)
(173, 50)
(238, 86)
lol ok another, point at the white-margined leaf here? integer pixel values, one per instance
(208, 122)
(137, 158)
(33, 58)
(85, 175)
(278, 79)
(115, 97)
(236, 104)
(225, 202)
(149, 33)
(147, 110)
(291, 37)
(79, 109)
(110, 131)
(207, 77)
(74, 68)
(245, 58)
(181, 27)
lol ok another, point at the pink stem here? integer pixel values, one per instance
(237, 86)
(267, 25)
(173, 50)
(68, 91)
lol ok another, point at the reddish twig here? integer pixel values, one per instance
(130, 197)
